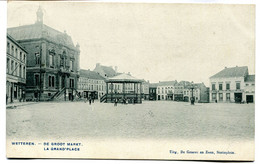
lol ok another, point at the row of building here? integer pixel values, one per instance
(179, 91)
(43, 64)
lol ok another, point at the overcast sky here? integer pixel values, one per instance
(156, 42)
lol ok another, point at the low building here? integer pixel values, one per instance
(15, 71)
(231, 84)
(91, 84)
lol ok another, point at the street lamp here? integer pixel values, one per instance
(192, 100)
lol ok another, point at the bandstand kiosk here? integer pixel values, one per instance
(123, 88)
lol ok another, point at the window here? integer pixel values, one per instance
(62, 62)
(12, 50)
(12, 66)
(220, 87)
(36, 79)
(71, 65)
(8, 47)
(7, 65)
(227, 86)
(237, 85)
(20, 70)
(228, 96)
(16, 53)
(220, 96)
(21, 58)
(213, 96)
(71, 83)
(37, 58)
(51, 81)
(51, 61)
(15, 71)
(213, 87)
(23, 71)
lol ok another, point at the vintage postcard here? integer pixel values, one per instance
(130, 81)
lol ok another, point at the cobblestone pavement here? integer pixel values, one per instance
(157, 119)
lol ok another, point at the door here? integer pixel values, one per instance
(249, 98)
(238, 97)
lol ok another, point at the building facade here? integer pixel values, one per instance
(199, 91)
(232, 85)
(250, 89)
(91, 84)
(145, 90)
(15, 71)
(165, 90)
(52, 62)
(153, 91)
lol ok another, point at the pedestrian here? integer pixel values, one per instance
(116, 102)
(89, 100)
(93, 98)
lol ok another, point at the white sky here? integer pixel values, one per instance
(156, 42)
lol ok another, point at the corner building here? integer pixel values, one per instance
(52, 62)
(15, 71)
(232, 85)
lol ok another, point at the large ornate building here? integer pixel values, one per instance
(52, 62)
(15, 71)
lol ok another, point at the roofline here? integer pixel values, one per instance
(13, 40)
(46, 39)
(42, 37)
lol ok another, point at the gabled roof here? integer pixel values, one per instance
(38, 31)
(109, 71)
(124, 78)
(232, 72)
(153, 85)
(163, 83)
(90, 74)
(250, 78)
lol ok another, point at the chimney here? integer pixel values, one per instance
(97, 64)
(116, 69)
(225, 67)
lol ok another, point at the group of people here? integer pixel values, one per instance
(90, 100)
(124, 101)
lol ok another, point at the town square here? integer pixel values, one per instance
(151, 119)
(131, 72)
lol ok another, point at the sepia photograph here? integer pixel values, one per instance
(114, 80)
